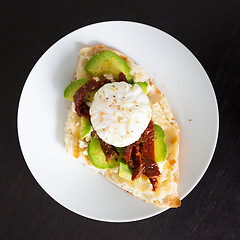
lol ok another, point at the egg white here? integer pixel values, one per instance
(120, 113)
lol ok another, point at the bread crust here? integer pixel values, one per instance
(166, 194)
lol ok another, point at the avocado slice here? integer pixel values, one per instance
(86, 127)
(71, 89)
(160, 146)
(125, 171)
(90, 96)
(143, 86)
(120, 149)
(98, 158)
(108, 62)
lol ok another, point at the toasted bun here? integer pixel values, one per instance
(166, 194)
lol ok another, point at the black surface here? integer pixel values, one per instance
(210, 29)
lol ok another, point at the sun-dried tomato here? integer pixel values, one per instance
(80, 107)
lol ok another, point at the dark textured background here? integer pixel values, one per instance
(210, 29)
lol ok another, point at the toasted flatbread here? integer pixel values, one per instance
(166, 194)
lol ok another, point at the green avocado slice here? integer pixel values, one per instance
(160, 146)
(143, 86)
(90, 96)
(108, 62)
(71, 89)
(125, 171)
(86, 127)
(120, 149)
(98, 158)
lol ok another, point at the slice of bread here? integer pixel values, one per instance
(166, 194)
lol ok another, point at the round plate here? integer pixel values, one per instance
(42, 115)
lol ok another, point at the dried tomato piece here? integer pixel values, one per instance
(138, 164)
(147, 142)
(80, 107)
(128, 156)
(109, 150)
(151, 169)
(154, 183)
(122, 78)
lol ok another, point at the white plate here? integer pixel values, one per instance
(43, 110)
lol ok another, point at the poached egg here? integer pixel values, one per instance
(120, 113)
